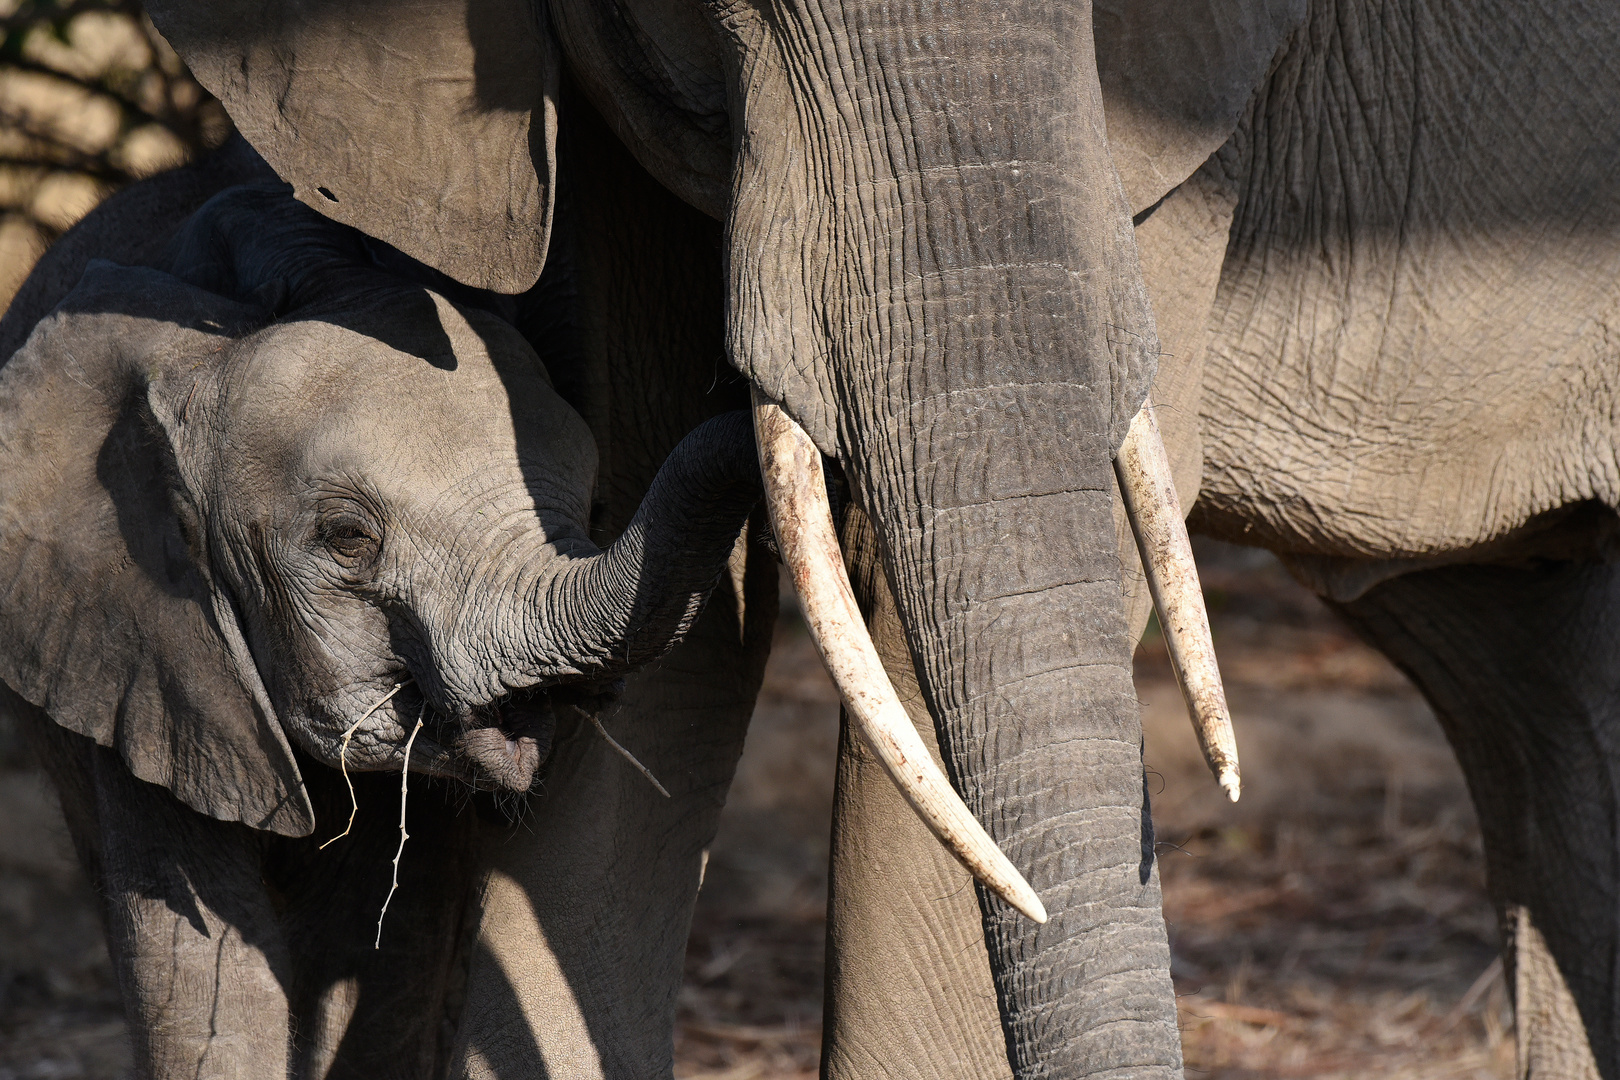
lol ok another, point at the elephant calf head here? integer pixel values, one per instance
(273, 492)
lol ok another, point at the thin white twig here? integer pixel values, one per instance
(404, 780)
(627, 755)
(343, 762)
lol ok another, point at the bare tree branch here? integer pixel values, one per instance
(44, 133)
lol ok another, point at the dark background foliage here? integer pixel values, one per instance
(91, 98)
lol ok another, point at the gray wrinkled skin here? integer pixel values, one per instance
(263, 495)
(1406, 392)
(1378, 317)
(1409, 393)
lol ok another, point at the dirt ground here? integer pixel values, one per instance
(1332, 924)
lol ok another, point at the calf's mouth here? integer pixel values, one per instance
(507, 740)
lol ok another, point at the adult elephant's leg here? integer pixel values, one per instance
(1521, 668)
(908, 976)
(909, 992)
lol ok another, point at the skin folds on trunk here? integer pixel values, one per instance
(972, 345)
(606, 613)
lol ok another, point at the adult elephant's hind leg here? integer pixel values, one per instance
(1523, 668)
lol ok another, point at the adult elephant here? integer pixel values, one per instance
(928, 259)
(946, 301)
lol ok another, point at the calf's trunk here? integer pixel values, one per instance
(603, 613)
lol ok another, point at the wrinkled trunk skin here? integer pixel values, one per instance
(567, 610)
(903, 927)
(609, 613)
(931, 267)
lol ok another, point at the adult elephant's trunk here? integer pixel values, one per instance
(932, 270)
(602, 614)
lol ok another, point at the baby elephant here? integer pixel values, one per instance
(268, 512)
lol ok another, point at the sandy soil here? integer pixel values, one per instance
(1332, 924)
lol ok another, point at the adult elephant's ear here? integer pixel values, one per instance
(1176, 76)
(110, 619)
(428, 124)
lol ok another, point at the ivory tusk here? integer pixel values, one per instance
(796, 494)
(1154, 511)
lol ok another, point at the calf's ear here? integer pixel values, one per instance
(428, 124)
(110, 617)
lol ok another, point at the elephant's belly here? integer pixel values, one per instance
(1414, 345)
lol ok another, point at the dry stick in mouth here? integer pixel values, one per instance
(627, 755)
(404, 780)
(343, 761)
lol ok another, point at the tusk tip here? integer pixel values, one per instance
(1229, 782)
(796, 496)
(1021, 896)
(1011, 886)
